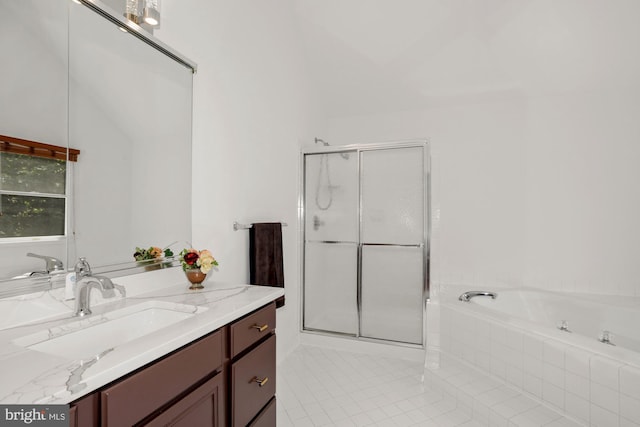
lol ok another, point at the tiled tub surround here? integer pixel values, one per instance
(30, 376)
(593, 383)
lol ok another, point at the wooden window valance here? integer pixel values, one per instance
(10, 144)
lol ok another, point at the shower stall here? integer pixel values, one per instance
(365, 241)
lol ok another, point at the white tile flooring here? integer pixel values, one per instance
(324, 387)
(318, 386)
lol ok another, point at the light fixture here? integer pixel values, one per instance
(132, 11)
(151, 12)
(77, 1)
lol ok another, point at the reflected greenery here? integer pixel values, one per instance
(26, 215)
(20, 172)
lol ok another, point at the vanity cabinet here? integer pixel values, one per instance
(226, 378)
(139, 396)
(253, 368)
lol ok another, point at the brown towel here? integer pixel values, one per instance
(265, 256)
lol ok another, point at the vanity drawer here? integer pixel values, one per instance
(252, 328)
(140, 394)
(253, 382)
(267, 417)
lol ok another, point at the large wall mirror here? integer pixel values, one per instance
(74, 78)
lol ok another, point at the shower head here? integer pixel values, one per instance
(326, 144)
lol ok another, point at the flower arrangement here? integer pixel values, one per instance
(192, 259)
(153, 252)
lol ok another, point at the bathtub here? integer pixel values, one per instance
(515, 337)
(587, 315)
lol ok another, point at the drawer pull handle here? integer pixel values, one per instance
(260, 382)
(260, 328)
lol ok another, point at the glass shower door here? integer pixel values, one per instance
(365, 234)
(392, 244)
(330, 242)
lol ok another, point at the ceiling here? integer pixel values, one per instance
(370, 56)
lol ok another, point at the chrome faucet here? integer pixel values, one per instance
(466, 297)
(85, 281)
(52, 264)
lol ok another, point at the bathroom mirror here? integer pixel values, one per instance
(76, 78)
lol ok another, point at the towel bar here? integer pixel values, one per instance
(237, 226)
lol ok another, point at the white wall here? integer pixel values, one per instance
(251, 111)
(529, 106)
(532, 113)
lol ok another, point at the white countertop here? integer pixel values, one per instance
(29, 376)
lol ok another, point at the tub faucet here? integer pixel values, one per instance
(605, 337)
(85, 280)
(466, 297)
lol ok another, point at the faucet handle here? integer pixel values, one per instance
(53, 264)
(82, 268)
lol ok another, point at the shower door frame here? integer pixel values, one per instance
(358, 149)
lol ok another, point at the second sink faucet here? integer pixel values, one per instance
(85, 281)
(52, 264)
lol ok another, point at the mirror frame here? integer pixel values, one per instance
(139, 32)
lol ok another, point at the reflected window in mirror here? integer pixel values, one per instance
(125, 101)
(33, 190)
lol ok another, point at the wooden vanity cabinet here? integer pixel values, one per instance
(139, 396)
(253, 368)
(226, 378)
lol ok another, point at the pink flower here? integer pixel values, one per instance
(192, 259)
(155, 252)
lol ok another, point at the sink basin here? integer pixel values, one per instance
(89, 337)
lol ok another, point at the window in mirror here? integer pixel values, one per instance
(32, 196)
(33, 188)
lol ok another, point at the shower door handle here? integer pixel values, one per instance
(396, 245)
(332, 242)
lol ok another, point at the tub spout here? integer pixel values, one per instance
(605, 337)
(564, 326)
(466, 297)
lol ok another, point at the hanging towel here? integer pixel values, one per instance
(265, 256)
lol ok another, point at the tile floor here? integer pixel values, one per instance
(324, 387)
(318, 386)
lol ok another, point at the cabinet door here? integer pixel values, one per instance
(85, 412)
(203, 407)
